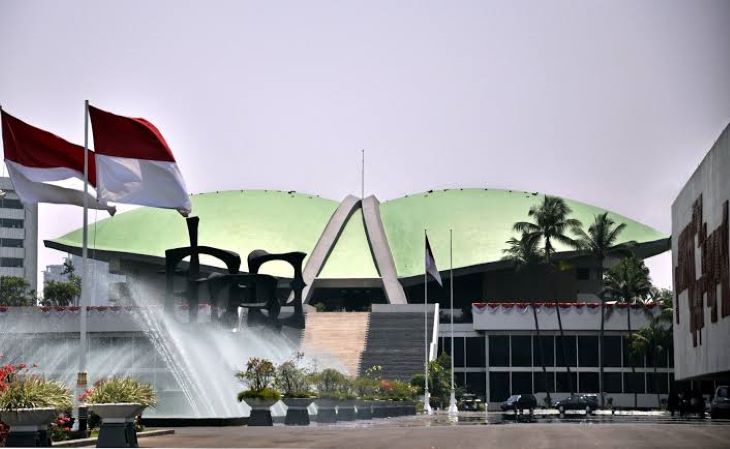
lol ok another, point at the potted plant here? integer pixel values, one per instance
(260, 394)
(28, 404)
(329, 389)
(295, 384)
(118, 401)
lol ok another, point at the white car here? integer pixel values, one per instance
(721, 402)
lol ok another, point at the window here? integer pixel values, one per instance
(657, 383)
(540, 386)
(632, 359)
(11, 262)
(11, 223)
(588, 350)
(612, 351)
(612, 382)
(458, 351)
(521, 350)
(476, 383)
(12, 243)
(583, 274)
(634, 382)
(499, 350)
(548, 351)
(562, 384)
(569, 348)
(11, 204)
(498, 386)
(521, 383)
(475, 352)
(588, 382)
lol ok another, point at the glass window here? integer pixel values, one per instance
(499, 350)
(11, 223)
(612, 351)
(476, 383)
(583, 274)
(521, 383)
(634, 382)
(12, 243)
(561, 380)
(588, 350)
(568, 347)
(11, 262)
(588, 382)
(612, 382)
(475, 352)
(632, 359)
(521, 350)
(11, 203)
(459, 351)
(446, 345)
(498, 386)
(657, 383)
(547, 342)
(540, 383)
(661, 359)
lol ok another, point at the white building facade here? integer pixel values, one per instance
(18, 236)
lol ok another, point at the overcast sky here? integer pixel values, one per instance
(613, 103)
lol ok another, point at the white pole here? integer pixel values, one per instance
(426, 396)
(81, 380)
(453, 409)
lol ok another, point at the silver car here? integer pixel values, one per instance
(720, 404)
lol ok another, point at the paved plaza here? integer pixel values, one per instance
(420, 432)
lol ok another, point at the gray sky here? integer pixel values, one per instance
(609, 102)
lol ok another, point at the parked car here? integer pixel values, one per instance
(518, 402)
(469, 402)
(587, 402)
(720, 404)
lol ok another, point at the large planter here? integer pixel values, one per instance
(326, 410)
(297, 413)
(410, 407)
(380, 409)
(364, 409)
(29, 426)
(346, 410)
(260, 412)
(117, 424)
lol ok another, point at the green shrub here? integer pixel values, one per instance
(293, 380)
(34, 392)
(120, 390)
(264, 393)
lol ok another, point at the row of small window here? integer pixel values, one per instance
(12, 223)
(8, 203)
(11, 243)
(527, 382)
(527, 351)
(11, 262)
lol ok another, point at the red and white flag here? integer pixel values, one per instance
(431, 264)
(134, 164)
(34, 156)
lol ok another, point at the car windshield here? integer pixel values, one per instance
(722, 392)
(514, 397)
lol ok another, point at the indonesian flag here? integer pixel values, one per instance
(431, 264)
(134, 164)
(34, 156)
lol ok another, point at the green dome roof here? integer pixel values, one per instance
(242, 221)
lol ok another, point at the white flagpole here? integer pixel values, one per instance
(453, 409)
(81, 380)
(426, 395)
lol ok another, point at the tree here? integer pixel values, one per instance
(60, 293)
(599, 242)
(439, 379)
(629, 283)
(653, 341)
(15, 291)
(527, 256)
(551, 223)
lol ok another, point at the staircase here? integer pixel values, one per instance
(395, 342)
(336, 339)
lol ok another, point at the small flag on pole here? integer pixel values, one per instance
(34, 156)
(431, 264)
(134, 164)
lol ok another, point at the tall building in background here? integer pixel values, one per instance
(18, 236)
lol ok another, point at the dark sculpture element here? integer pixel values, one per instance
(254, 291)
(715, 269)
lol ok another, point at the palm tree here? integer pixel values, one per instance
(527, 255)
(629, 283)
(653, 341)
(600, 242)
(550, 223)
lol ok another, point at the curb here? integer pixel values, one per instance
(82, 442)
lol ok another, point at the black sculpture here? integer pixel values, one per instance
(254, 291)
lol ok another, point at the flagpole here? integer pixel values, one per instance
(453, 410)
(426, 395)
(81, 378)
